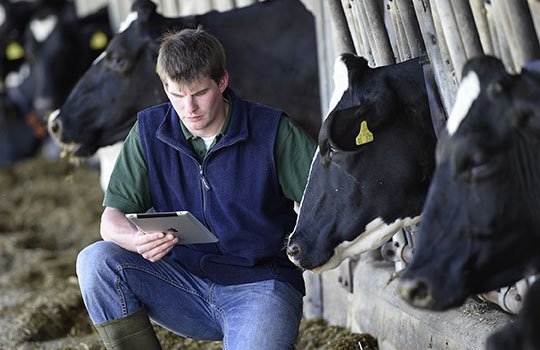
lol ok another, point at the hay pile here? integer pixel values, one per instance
(49, 211)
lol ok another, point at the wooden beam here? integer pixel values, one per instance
(467, 28)
(343, 35)
(380, 34)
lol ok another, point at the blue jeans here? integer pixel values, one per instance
(259, 315)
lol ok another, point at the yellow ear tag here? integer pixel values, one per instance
(364, 136)
(14, 51)
(157, 69)
(98, 40)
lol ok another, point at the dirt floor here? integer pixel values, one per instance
(49, 211)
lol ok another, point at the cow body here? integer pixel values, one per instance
(480, 225)
(271, 59)
(371, 171)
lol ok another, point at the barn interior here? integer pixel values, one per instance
(359, 296)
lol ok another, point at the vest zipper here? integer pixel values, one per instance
(205, 186)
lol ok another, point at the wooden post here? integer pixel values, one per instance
(442, 72)
(353, 27)
(452, 36)
(443, 48)
(522, 33)
(502, 25)
(369, 32)
(401, 38)
(467, 28)
(343, 35)
(411, 27)
(380, 34)
(534, 7)
(490, 17)
(368, 50)
(482, 26)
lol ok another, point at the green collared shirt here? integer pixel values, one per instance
(129, 189)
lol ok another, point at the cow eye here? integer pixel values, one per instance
(478, 166)
(117, 63)
(331, 151)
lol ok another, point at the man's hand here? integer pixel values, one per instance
(154, 246)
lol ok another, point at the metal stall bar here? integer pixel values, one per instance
(523, 35)
(344, 40)
(442, 70)
(411, 27)
(368, 50)
(375, 18)
(502, 26)
(534, 7)
(451, 34)
(401, 40)
(467, 28)
(482, 26)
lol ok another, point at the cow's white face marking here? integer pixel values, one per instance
(100, 57)
(377, 233)
(468, 92)
(42, 28)
(341, 83)
(2, 15)
(132, 17)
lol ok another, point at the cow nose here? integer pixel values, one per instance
(293, 251)
(416, 292)
(55, 127)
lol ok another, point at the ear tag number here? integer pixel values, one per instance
(364, 136)
(98, 40)
(14, 51)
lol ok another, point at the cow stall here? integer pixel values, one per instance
(444, 35)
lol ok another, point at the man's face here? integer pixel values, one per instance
(200, 105)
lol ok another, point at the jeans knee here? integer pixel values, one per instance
(92, 260)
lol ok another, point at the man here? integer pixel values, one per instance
(236, 166)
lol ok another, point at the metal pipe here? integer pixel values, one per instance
(451, 33)
(343, 35)
(380, 34)
(411, 27)
(480, 19)
(467, 28)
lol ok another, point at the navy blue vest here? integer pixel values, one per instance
(234, 193)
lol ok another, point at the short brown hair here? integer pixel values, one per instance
(190, 54)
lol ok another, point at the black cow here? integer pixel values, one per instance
(480, 224)
(272, 59)
(60, 47)
(522, 334)
(372, 169)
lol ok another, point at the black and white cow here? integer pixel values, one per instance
(372, 169)
(60, 47)
(271, 58)
(522, 333)
(480, 224)
(14, 17)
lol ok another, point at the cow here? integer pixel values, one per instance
(521, 334)
(479, 229)
(372, 168)
(59, 47)
(21, 131)
(272, 59)
(14, 17)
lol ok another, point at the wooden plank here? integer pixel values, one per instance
(368, 53)
(380, 33)
(534, 7)
(502, 25)
(522, 36)
(467, 28)
(482, 26)
(404, 51)
(451, 34)
(344, 40)
(411, 27)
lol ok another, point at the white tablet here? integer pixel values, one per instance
(182, 224)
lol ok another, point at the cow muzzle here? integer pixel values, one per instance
(416, 292)
(293, 252)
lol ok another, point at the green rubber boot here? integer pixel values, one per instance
(132, 332)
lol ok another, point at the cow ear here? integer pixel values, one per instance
(350, 128)
(144, 9)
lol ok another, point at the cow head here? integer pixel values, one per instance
(371, 171)
(122, 81)
(59, 47)
(479, 228)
